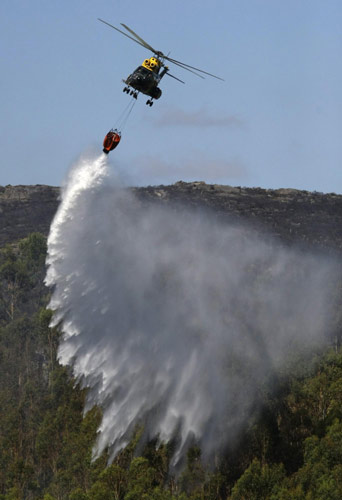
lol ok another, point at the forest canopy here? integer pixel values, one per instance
(290, 449)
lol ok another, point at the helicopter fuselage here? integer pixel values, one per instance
(145, 81)
(146, 77)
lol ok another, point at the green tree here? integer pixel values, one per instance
(193, 477)
(111, 484)
(142, 479)
(259, 482)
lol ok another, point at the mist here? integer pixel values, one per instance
(172, 320)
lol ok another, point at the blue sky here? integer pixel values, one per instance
(274, 122)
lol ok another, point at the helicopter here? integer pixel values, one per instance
(147, 76)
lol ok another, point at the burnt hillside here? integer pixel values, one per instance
(26, 209)
(294, 216)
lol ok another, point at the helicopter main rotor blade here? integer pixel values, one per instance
(169, 74)
(184, 67)
(122, 32)
(141, 40)
(187, 66)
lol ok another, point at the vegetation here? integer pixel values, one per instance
(292, 450)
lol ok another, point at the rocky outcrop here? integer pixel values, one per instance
(294, 216)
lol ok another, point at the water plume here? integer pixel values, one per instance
(170, 318)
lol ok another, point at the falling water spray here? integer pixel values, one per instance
(171, 319)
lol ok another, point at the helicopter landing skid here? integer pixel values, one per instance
(149, 102)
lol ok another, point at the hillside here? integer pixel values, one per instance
(293, 215)
(289, 449)
(26, 209)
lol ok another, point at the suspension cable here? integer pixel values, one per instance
(122, 120)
